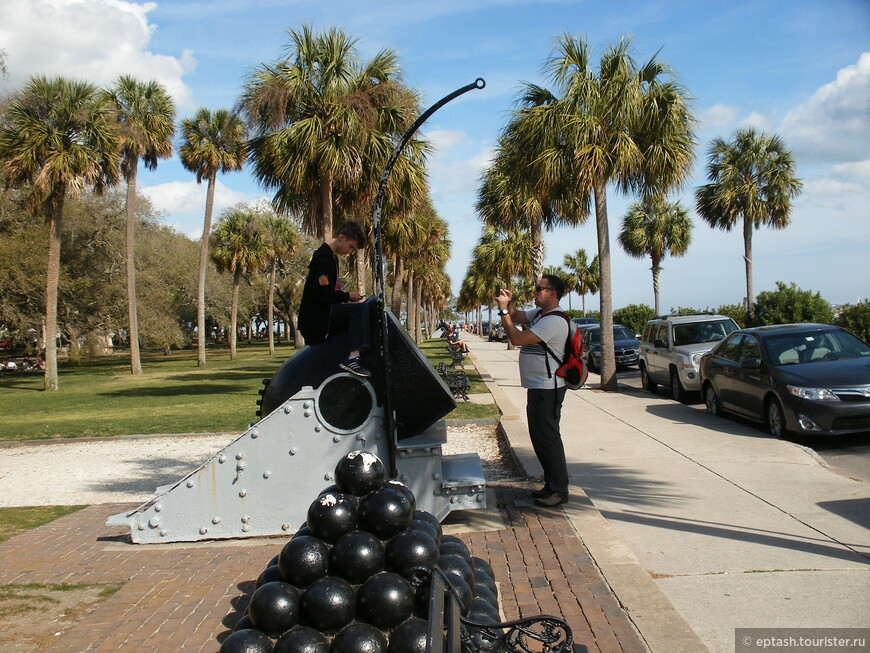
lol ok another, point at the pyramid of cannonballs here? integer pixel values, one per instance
(354, 578)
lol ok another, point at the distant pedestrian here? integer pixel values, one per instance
(324, 310)
(545, 391)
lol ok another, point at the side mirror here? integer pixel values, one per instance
(751, 364)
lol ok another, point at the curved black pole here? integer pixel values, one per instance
(389, 416)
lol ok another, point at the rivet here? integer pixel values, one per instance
(307, 413)
(246, 519)
(454, 499)
(215, 520)
(287, 410)
(285, 527)
(292, 451)
(164, 532)
(255, 434)
(360, 436)
(336, 438)
(241, 466)
(318, 428)
(140, 526)
(190, 484)
(246, 528)
(158, 507)
(436, 476)
(154, 522)
(306, 404)
(327, 477)
(222, 459)
(240, 455)
(479, 498)
(243, 493)
(267, 474)
(203, 530)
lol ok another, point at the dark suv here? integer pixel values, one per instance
(625, 345)
(671, 348)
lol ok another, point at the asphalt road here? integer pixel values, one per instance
(847, 455)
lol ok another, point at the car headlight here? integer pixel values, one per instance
(696, 360)
(812, 394)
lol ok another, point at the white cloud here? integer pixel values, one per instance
(858, 170)
(719, 116)
(92, 40)
(183, 202)
(834, 124)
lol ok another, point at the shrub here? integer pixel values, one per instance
(736, 312)
(856, 318)
(634, 316)
(789, 304)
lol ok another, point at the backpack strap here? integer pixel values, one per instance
(549, 351)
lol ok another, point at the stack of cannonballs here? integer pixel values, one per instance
(355, 577)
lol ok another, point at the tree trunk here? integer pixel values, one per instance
(747, 258)
(537, 249)
(409, 311)
(51, 281)
(326, 207)
(398, 282)
(298, 338)
(201, 335)
(361, 271)
(132, 303)
(583, 299)
(270, 312)
(234, 312)
(656, 274)
(418, 302)
(608, 359)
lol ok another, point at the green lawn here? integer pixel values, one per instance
(100, 397)
(17, 520)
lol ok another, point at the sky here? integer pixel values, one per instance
(796, 68)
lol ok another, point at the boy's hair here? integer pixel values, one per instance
(352, 231)
(556, 282)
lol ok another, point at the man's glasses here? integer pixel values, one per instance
(540, 288)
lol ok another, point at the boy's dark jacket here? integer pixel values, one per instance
(321, 291)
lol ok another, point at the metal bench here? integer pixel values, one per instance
(457, 381)
(456, 355)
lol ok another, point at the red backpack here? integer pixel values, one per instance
(572, 367)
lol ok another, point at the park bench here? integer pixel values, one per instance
(456, 355)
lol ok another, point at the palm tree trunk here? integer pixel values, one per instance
(234, 312)
(537, 248)
(132, 303)
(418, 301)
(656, 274)
(270, 311)
(203, 262)
(409, 311)
(747, 258)
(608, 360)
(583, 299)
(326, 207)
(398, 282)
(51, 280)
(361, 271)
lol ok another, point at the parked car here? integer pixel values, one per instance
(583, 321)
(671, 348)
(625, 346)
(809, 379)
(496, 333)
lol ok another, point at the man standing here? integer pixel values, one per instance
(324, 310)
(545, 390)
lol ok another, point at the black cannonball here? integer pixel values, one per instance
(456, 548)
(483, 592)
(385, 513)
(385, 600)
(480, 563)
(328, 605)
(274, 608)
(426, 527)
(356, 556)
(244, 623)
(462, 590)
(482, 579)
(359, 637)
(410, 552)
(428, 517)
(359, 473)
(483, 641)
(481, 610)
(302, 531)
(404, 489)
(303, 560)
(452, 538)
(410, 637)
(269, 574)
(246, 641)
(454, 564)
(302, 639)
(273, 561)
(331, 515)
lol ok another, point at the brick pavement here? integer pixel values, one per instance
(186, 596)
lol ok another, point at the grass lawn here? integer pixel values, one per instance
(100, 397)
(16, 520)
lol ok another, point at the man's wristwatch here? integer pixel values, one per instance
(503, 311)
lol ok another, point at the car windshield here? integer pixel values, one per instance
(698, 332)
(813, 346)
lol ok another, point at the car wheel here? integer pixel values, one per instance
(775, 418)
(648, 384)
(677, 388)
(590, 362)
(711, 400)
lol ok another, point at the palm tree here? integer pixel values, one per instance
(323, 124)
(586, 273)
(57, 138)
(146, 117)
(211, 143)
(281, 240)
(622, 123)
(239, 244)
(752, 178)
(656, 228)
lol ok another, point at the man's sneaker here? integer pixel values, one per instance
(352, 365)
(540, 494)
(551, 501)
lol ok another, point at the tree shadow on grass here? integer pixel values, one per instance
(176, 390)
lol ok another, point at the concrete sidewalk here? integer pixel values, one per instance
(700, 525)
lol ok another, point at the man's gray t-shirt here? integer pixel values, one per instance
(552, 329)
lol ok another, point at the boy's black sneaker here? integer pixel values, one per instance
(353, 366)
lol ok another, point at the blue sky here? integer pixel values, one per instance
(798, 68)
